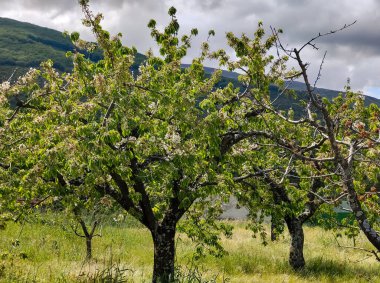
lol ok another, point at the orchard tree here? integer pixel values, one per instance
(88, 214)
(288, 199)
(278, 190)
(85, 209)
(278, 183)
(142, 139)
(304, 160)
(350, 132)
(340, 137)
(18, 162)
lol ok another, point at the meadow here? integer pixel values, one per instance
(47, 250)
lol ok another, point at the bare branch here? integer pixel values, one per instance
(14, 114)
(108, 113)
(375, 253)
(320, 70)
(314, 176)
(310, 42)
(287, 170)
(329, 201)
(75, 230)
(296, 75)
(11, 76)
(281, 93)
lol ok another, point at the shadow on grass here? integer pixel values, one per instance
(320, 267)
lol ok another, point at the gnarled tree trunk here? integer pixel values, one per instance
(164, 253)
(296, 259)
(372, 235)
(295, 222)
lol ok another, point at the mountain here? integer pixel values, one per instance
(294, 85)
(24, 45)
(225, 74)
(298, 86)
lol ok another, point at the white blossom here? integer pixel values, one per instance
(5, 86)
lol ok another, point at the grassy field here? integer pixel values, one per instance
(37, 252)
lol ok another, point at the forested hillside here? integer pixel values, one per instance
(24, 45)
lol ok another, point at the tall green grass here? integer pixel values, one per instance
(48, 251)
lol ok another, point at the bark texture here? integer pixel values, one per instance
(296, 258)
(371, 234)
(164, 254)
(88, 248)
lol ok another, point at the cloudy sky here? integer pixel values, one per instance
(354, 53)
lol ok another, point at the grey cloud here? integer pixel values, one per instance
(43, 5)
(66, 6)
(210, 4)
(354, 52)
(357, 46)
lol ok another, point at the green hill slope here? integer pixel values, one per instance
(24, 45)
